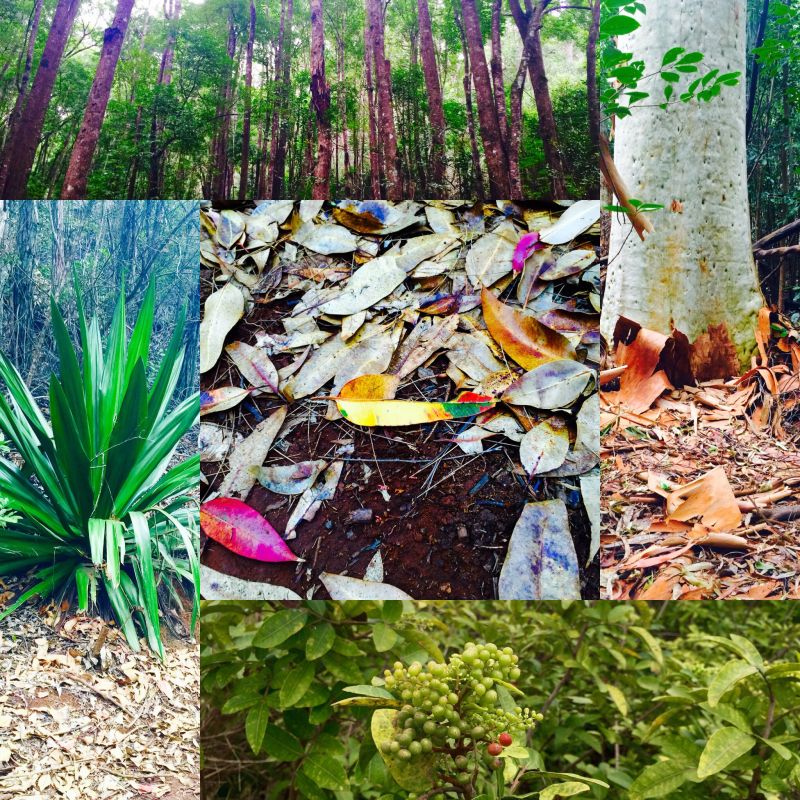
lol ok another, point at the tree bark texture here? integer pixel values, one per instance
(321, 102)
(80, 162)
(436, 162)
(22, 150)
(496, 164)
(383, 76)
(248, 105)
(696, 269)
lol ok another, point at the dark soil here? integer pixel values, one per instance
(448, 542)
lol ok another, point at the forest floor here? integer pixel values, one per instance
(701, 484)
(82, 716)
(439, 518)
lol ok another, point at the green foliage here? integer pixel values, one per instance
(690, 700)
(623, 74)
(96, 500)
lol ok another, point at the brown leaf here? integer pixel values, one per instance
(710, 498)
(522, 337)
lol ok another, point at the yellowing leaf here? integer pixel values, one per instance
(223, 310)
(523, 338)
(370, 387)
(406, 412)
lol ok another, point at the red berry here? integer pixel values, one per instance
(505, 739)
(494, 749)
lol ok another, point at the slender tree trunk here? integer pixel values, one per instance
(278, 162)
(277, 109)
(437, 162)
(374, 155)
(220, 157)
(155, 177)
(22, 149)
(696, 269)
(498, 84)
(592, 89)
(343, 111)
(321, 101)
(496, 164)
(477, 175)
(383, 74)
(85, 145)
(22, 89)
(248, 104)
(756, 69)
(544, 107)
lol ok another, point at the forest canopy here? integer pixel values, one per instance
(293, 98)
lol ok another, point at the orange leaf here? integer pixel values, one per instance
(709, 497)
(523, 337)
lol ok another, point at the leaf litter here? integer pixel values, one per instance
(701, 477)
(423, 408)
(83, 717)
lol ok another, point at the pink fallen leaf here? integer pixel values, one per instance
(529, 243)
(241, 529)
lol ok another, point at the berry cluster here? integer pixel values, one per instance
(453, 710)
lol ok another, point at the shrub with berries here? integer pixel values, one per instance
(452, 724)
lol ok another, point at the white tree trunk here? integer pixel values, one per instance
(697, 268)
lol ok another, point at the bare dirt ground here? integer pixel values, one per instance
(444, 531)
(82, 716)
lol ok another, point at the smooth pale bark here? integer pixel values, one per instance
(496, 164)
(85, 145)
(321, 102)
(383, 80)
(435, 107)
(248, 105)
(22, 150)
(697, 268)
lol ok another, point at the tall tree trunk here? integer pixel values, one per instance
(277, 108)
(477, 175)
(544, 107)
(19, 317)
(321, 101)
(496, 165)
(280, 134)
(22, 89)
(383, 75)
(756, 69)
(155, 176)
(374, 155)
(436, 164)
(343, 110)
(498, 83)
(219, 178)
(248, 105)
(696, 269)
(80, 162)
(592, 89)
(515, 134)
(22, 149)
